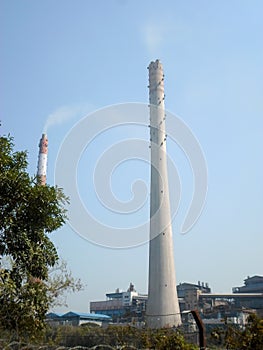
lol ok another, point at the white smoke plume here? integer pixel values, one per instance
(159, 34)
(66, 113)
(153, 36)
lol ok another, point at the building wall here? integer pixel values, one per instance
(252, 285)
(119, 304)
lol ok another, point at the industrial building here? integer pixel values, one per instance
(76, 318)
(121, 305)
(252, 285)
(182, 288)
(125, 306)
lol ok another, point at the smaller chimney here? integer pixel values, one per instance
(42, 160)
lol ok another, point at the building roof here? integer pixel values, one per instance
(83, 315)
(253, 279)
(185, 286)
(80, 315)
(115, 295)
(53, 315)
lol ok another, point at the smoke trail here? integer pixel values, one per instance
(153, 38)
(66, 113)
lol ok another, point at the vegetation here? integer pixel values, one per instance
(91, 336)
(232, 337)
(28, 213)
(118, 337)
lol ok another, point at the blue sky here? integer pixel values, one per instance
(68, 58)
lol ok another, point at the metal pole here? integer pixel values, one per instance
(201, 328)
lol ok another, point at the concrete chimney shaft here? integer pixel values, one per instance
(162, 307)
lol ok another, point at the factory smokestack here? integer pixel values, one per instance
(42, 160)
(162, 307)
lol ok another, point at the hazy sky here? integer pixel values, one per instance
(60, 60)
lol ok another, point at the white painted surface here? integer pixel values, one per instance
(42, 164)
(163, 306)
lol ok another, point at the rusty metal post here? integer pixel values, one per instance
(201, 328)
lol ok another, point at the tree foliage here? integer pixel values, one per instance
(60, 281)
(28, 212)
(232, 337)
(118, 337)
(251, 338)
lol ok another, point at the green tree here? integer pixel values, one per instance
(166, 339)
(249, 339)
(232, 337)
(28, 212)
(121, 337)
(254, 333)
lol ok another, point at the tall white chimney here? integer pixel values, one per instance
(163, 306)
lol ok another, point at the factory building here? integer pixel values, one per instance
(252, 285)
(183, 288)
(121, 304)
(130, 305)
(76, 319)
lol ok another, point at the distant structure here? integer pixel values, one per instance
(163, 306)
(252, 285)
(121, 305)
(42, 160)
(76, 319)
(188, 295)
(129, 306)
(184, 287)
